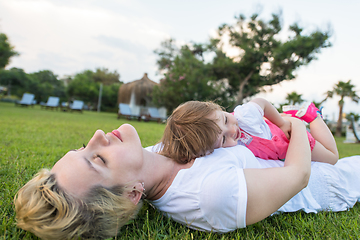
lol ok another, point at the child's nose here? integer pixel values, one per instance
(233, 132)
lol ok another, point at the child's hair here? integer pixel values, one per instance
(189, 132)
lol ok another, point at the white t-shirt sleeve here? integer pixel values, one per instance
(224, 204)
(250, 117)
(226, 210)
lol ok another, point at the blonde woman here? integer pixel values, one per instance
(93, 191)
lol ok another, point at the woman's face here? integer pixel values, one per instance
(108, 159)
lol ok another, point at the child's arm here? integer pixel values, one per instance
(273, 115)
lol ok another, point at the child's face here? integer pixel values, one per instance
(230, 131)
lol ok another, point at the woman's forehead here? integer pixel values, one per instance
(73, 174)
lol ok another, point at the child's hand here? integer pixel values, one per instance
(285, 115)
(286, 128)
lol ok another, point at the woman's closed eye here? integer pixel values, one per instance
(102, 159)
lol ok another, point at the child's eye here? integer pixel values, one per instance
(223, 141)
(226, 119)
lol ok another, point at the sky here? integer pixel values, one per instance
(70, 36)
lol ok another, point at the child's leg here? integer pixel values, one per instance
(325, 149)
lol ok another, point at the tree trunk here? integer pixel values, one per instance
(339, 122)
(240, 95)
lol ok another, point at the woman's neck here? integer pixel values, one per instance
(160, 173)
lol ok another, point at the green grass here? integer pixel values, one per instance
(32, 138)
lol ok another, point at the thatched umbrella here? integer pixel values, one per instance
(142, 89)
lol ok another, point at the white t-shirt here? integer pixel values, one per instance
(212, 195)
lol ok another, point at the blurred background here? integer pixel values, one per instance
(118, 38)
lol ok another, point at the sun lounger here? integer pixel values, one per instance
(154, 115)
(53, 102)
(124, 110)
(27, 100)
(77, 105)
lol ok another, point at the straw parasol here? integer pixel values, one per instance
(141, 88)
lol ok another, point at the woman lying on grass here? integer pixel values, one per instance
(93, 191)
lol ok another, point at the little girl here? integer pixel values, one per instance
(257, 125)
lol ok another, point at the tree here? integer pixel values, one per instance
(16, 80)
(352, 115)
(103, 75)
(294, 98)
(44, 84)
(262, 58)
(6, 51)
(342, 89)
(85, 86)
(328, 95)
(186, 77)
(167, 53)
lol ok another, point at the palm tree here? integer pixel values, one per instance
(329, 94)
(342, 89)
(294, 98)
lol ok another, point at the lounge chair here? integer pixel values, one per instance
(154, 115)
(77, 105)
(124, 110)
(53, 102)
(26, 100)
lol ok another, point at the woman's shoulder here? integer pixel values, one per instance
(155, 148)
(212, 189)
(238, 155)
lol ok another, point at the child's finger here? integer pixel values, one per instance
(285, 115)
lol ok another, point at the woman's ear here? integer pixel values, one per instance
(136, 193)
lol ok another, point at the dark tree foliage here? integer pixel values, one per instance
(186, 78)
(44, 84)
(167, 53)
(6, 51)
(16, 81)
(262, 58)
(104, 76)
(85, 86)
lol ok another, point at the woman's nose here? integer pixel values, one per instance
(99, 138)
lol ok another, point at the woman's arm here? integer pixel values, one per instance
(273, 115)
(268, 189)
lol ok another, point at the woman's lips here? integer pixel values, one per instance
(117, 134)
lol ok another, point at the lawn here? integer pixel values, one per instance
(33, 138)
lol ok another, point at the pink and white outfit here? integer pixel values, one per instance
(262, 137)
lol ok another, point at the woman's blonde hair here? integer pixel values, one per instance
(189, 132)
(44, 209)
